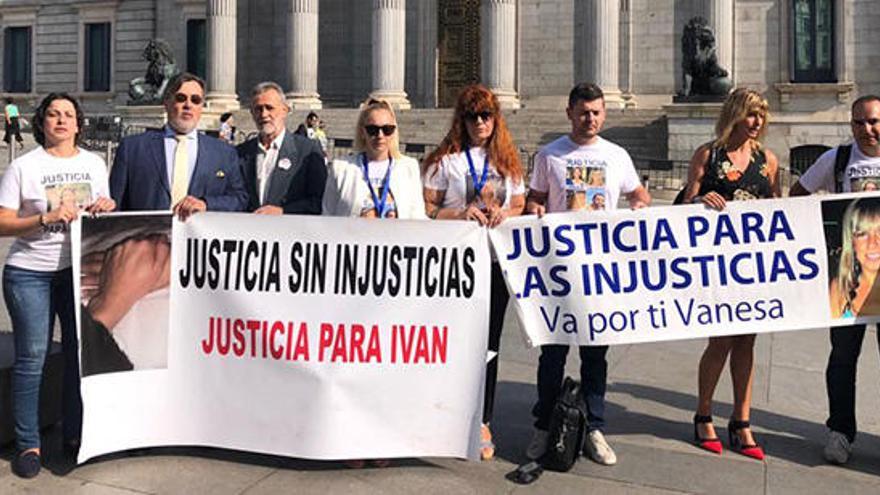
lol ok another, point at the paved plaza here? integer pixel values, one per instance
(651, 399)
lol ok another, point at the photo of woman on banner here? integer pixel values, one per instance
(735, 166)
(376, 181)
(852, 289)
(475, 174)
(125, 270)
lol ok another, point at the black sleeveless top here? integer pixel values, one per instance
(721, 176)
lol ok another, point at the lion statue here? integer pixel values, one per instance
(160, 69)
(700, 70)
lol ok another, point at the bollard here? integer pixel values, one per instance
(12, 146)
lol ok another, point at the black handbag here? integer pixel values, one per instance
(567, 430)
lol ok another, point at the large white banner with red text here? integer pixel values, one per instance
(312, 337)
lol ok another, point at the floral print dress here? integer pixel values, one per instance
(722, 177)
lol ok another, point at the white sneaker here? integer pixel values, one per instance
(538, 445)
(599, 450)
(838, 448)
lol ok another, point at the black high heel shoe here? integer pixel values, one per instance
(711, 444)
(754, 451)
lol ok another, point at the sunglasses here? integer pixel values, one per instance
(484, 115)
(373, 130)
(194, 99)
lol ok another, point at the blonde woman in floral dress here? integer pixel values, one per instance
(735, 166)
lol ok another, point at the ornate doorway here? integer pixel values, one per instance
(458, 40)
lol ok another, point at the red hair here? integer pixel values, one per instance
(502, 154)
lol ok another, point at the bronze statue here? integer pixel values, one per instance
(161, 68)
(703, 77)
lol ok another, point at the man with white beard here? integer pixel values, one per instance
(283, 172)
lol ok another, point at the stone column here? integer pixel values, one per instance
(720, 13)
(221, 55)
(302, 48)
(389, 49)
(603, 33)
(498, 49)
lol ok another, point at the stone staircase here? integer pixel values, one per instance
(641, 132)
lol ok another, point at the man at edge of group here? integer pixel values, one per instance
(178, 167)
(861, 169)
(284, 172)
(582, 149)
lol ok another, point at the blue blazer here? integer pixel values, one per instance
(139, 177)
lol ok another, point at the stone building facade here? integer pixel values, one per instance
(809, 57)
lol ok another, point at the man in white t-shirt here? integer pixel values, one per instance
(849, 168)
(580, 171)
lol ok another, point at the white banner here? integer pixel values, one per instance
(680, 272)
(312, 337)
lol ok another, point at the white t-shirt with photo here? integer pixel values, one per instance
(862, 173)
(454, 177)
(378, 173)
(38, 182)
(589, 177)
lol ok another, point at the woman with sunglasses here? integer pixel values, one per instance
(475, 174)
(376, 181)
(40, 194)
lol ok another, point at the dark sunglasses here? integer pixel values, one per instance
(194, 99)
(373, 130)
(485, 115)
(871, 122)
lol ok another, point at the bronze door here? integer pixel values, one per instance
(459, 48)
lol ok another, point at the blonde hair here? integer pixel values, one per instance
(738, 106)
(860, 215)
(360, 134)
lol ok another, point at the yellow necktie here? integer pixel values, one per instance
(180, 175)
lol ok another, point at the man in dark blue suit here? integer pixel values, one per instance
(177, 168)
(283, 172)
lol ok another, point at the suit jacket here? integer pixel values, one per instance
(347, 190)
(296, 188)
(139, 177)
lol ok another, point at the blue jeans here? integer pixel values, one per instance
(33, 299)
(551, 371)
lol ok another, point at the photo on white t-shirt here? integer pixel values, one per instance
(78, 194)
(494, 191)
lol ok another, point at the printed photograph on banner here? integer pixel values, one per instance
(77, 194)
(494, 191)
(852, 235)
(124, 294)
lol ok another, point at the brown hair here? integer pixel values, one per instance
(500, 149)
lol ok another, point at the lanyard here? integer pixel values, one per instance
(380, 206)
(478, 183)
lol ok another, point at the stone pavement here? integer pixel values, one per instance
(651, 398)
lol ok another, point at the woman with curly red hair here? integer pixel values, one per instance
(475, 174)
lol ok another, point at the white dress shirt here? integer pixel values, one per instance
(266, 160)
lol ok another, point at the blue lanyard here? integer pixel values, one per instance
(478, 183)
(380, 206)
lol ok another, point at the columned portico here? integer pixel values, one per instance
(603, 19)
(221, 61)
(302, 48)
(389, 55)
(498, 33)
(721, 21)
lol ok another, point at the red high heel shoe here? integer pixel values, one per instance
(754, 451)
(711, 444)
